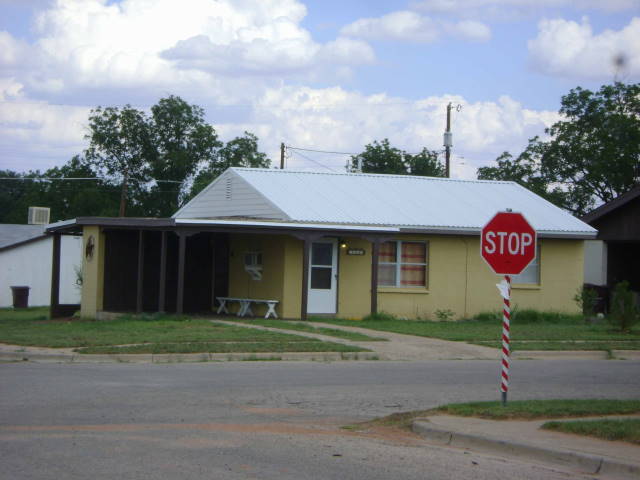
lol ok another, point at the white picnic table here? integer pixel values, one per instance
(245, 306)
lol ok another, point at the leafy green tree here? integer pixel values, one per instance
(592, 155)
(67, 198)
(182, 142)
(381, 157)
(121, 147)
(239, 152)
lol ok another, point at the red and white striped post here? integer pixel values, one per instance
(508, 245)
(506, 318)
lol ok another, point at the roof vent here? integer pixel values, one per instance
(228, 188)
(39, 215)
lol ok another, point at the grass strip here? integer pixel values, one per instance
(305, 327)
(626, 430)
(515, 410)
(551, 345)
(532, 409)
(551, 331)
(229, 347)
(33, 328)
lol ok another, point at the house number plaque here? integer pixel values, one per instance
(355, 251)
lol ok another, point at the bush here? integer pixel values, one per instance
(381, 316)
(624, 312)
(445, 315)
(586, 298)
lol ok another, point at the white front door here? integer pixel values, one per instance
(323, 277)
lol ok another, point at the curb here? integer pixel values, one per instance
(594, 464)
(183, 357)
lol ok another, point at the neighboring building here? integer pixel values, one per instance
(25, 260)
(328, 244)
(615, 255)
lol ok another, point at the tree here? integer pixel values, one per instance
(56, 189)
(120, 146)
(592, 155)
(182, 143)
(161, 159)
(239, 152)
(381, 157)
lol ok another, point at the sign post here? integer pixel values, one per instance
(508, 245)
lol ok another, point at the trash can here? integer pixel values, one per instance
(20, 296)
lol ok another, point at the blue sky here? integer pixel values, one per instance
(322, 74)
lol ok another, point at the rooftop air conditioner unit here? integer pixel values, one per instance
(39, 215)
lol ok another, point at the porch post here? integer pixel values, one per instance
(55, 277)
(163, 272)
(182, 236)
(213, 272)
(375, 251)
(140, 284)
(305, 277)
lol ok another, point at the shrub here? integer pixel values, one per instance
(624, 312)
(381, 316)
(445, 315)
(586, 298)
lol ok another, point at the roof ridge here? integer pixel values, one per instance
(388, 175)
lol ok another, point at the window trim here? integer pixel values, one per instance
(398, 264)
(537, 262)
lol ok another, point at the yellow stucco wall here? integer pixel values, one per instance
(459, 280)
(270, 287)
(92, 273)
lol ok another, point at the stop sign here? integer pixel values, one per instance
(508, 243)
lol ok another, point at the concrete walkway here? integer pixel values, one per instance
(398, 347)
(525, 439)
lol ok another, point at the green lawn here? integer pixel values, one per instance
(532, 409)
(160, 333)
(306, 327)
(627, 430)
(514, 410)
(529, 331)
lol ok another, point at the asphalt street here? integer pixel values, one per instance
(264, 419)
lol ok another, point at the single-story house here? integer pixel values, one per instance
(340, 244)
(615, 255)
(25, 260)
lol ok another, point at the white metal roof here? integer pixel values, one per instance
(401, 201)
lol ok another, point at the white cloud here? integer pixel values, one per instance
(161, 45)
(323, 118)
(12, 50)
(467, 8)
(570, 49)
(37, 135)
(339, 120)
(407, 26)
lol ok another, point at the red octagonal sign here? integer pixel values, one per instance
(508, 243)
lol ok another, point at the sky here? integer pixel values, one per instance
(322, 75)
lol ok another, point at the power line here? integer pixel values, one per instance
(79, 178)
(321, 151)
(314, 161)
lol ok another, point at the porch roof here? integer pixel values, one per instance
(260, 225)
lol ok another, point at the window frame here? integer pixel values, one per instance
(399, 263)
(537, 263)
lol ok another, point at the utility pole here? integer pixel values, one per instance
(448, 143)
(282, 150)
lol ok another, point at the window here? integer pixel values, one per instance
(531, 274)
(402, 264)
(253, 264)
